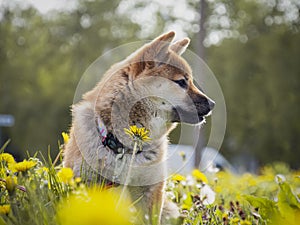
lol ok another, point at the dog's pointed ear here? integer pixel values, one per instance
(180, 46)
(160, 45)
(154, 53)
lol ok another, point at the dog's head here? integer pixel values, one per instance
(168, 80)
(153, 86)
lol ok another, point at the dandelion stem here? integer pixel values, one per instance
(58, 156)
(135, 147)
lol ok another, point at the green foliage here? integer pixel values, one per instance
(43, 58)
(35, 192)
(255, 60)
(288, 203)
(267, 208)
(259, 76)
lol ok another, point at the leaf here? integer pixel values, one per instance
(288, 203)
(188, 202)
(4, 146)
(286, 195)
(267, 208)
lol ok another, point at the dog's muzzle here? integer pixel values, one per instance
(200, 109)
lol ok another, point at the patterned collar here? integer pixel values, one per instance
(109, 140)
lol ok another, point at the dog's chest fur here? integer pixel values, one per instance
(102, 159)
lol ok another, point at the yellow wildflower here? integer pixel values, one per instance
(178, 177)
(8, 159)
(98, 207)
(199, 176)
(235, 221)
(225, 216)
(65, 137)
(24, 166)
(245, 222)
(65, 175)
(11, 183)
(137, 133)
(78, 180)
(4, 209)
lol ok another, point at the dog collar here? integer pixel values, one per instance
(109, 140)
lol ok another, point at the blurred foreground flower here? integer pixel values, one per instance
(98, 207)
(65, 175)
(24, 166)
(4, 209)
(235, 221)
(245, 222)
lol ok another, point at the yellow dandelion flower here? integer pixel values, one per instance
(225, 216)
(24, 166)
(178, 177)
(78, 180)
(199, 176)
(136, 133)
(98, 207)
(245, 222)
(11, 183)
(235, 221)
(8, 159)
(65, 137)
(65, 175)
(4, 209)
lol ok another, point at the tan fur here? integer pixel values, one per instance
(137, 91)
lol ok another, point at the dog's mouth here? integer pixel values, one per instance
(181, 115)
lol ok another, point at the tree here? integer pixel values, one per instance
(42, 60)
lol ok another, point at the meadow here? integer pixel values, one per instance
(40, 191)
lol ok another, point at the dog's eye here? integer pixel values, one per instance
(182, 83)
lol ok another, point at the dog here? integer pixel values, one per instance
(152, 89)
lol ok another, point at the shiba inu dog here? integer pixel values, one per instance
(152, 88)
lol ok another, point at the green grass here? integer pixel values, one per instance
(45, 193)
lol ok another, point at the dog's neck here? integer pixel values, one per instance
(109, 140)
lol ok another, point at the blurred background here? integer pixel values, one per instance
(252, 46)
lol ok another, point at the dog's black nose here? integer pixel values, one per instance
(211, 104)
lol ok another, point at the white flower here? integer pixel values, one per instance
(170, 185)
(279, 178)
(207, 195)
(170, 195)
(190, 181)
